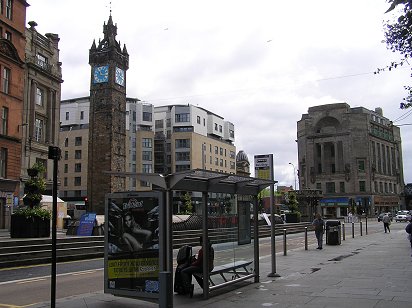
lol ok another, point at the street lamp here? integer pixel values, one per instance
(294, 172)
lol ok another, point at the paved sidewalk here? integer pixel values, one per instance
(374, 270)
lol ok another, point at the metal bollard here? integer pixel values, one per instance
(353, 230)
(306, 238)
(343, 231)
(366, 225)
(360, 226)
(284, 243)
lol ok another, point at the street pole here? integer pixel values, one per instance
(294, 173)
(54, 153)
(273, 221)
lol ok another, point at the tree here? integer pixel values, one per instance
(187, 204)
(398, 37)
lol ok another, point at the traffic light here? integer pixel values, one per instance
(86, 201)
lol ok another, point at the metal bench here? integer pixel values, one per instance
(237, 269)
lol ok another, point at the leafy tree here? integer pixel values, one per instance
(187, 204)
(398, 37)
(293, 202)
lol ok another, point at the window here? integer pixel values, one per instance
(77, 167)
(77, 181)
(147, 116)
(221, 151)
(67, 116)
(78, 141)
(42, 61)
(332, 168)
(66, 168)
(81, 115)
(1, 6)
(220, 128)
(9, 9)
(182, 168)
(362, 186)
(7, 35)
(78, 154)
(232, 154)
(3, 162)
(182, 156)
(217, 161)
(6, 80)
(147, 155)
(361, 165)
(147, 168)
(65, 181)
(216, 126)
(182, 117)
(319, 186)
(4, 120)
(147, 142)
(330, 187)
(182, 143)
(231, 133)
(216, 149)
(39, 96)
(134, 156)
(66, 142)
(66, 155)
(198, 119)
(342, 187)
(159, 124)
(221, 162)
(38, 130)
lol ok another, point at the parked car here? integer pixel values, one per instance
(380, 216)
(402, 216)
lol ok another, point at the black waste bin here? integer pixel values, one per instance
(66, 222)
(332, 228)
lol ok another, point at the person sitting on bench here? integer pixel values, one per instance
(196, 266)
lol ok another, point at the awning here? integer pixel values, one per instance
(338, 201)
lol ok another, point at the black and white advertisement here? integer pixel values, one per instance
(132, 243)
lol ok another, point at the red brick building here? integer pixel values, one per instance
(12, 50)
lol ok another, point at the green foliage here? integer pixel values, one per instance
(398, 37)
(187, 204)
(292, 203)
(33, 212)
(35, 186)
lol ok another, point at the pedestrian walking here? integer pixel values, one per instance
(408, 230)
(319, 225)
(386, 222)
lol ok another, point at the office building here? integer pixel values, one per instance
(354, 156)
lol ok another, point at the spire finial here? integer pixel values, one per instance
(110, 6)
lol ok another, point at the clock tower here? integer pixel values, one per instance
(107, 117)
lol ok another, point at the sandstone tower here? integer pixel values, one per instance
(107, 130)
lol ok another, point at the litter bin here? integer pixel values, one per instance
(66, 222)
(333, 232)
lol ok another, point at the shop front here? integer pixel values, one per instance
(335, 207)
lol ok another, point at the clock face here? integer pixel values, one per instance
(119, 76)
(101, 74)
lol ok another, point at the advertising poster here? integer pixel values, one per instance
(132, 244)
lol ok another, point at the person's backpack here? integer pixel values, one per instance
(408, 228)
(184, 254)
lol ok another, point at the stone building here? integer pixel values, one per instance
(42, 93)
(354, 156)
(12, 48)
(107, 130)
(242, 164)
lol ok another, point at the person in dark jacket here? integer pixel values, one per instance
(319, 226)
(196, 266)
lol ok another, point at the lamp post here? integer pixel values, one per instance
(294, 172)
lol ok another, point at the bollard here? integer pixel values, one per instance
(353, 230)
(366, 225)
(284, 243)
(360, 226)
(343, 231)
(306, 238)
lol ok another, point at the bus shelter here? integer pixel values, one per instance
(238, 256)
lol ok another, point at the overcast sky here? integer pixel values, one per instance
(259, 64)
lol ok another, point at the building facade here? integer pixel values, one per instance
(42, 93)
(12, 49)
(155, 142)
(354, 156)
